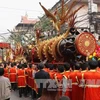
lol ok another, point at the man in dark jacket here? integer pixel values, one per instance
(41, 76)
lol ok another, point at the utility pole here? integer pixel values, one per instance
(91, 26)
(92, 21)
(90, 2)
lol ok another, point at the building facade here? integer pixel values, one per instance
(88, 17)
(24, 31)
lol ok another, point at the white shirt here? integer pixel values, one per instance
(5, 87)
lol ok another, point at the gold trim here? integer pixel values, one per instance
(13, 73)
(75, 83)
(92, 70)
(82, 75)
(77, 79)
(21, 86)
(21, 76)
(65, 77)
(92, 86)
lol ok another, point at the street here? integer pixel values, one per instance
(15, 96)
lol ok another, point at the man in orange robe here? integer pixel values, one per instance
(46, 67)
(66, 85)
(26, 71)
(59, 77)
(72, 77)
(27, 78)
(80, 77)
(21, 77)
(12, 76)
(33, 82)
(6, 70)
(92, 82)
(52, 71)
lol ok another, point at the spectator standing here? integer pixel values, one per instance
(5, 86)
(40, 76)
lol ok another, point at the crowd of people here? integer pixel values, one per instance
(80, 81)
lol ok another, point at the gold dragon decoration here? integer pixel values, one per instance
(18, 53)
(15, 55)
(49, 49)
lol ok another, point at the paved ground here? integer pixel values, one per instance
(15, 96)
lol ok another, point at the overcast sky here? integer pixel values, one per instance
(12, 10)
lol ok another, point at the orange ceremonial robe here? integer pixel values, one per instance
(92, 87)
(52, 73)
(21, 78)
(74, 92)
(12, 75)
(6, 72)
(68, 90)
(81, 87)
(58, 78)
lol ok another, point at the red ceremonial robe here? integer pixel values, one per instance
(92, 87)
(21, 78)
(74, 92)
